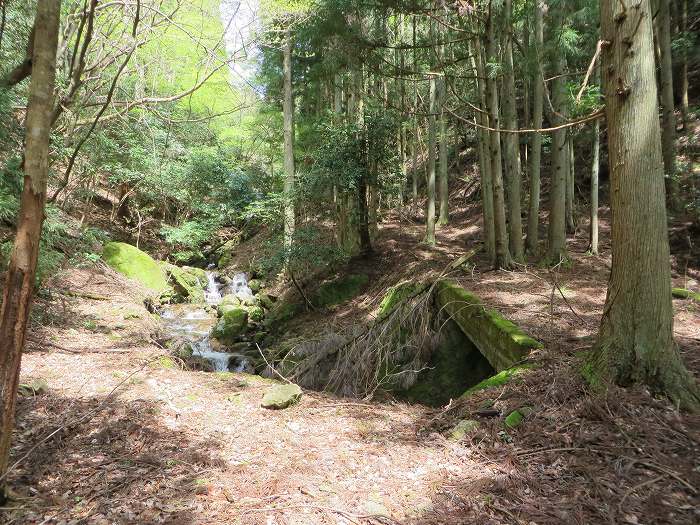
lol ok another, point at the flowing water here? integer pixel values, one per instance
(193, 323)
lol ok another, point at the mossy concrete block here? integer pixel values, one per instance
(135, 264)
(279, 397)
(463, 428)
(232, 325)
(340, 290)
(682, 293)
(398, 294)
(501, 341)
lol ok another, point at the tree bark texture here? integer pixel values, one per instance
(511, 141)
(19, 282)
(635, 342)
(533, 220)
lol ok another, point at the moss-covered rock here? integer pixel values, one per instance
(279, 397)
(501, 341)
(189, 283)
(397, 294)
(682, 293)
(135, 264)
(340, 290)
(463, 428)
(231, 326)
(514, 419)
(256, 313)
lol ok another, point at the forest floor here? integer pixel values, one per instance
(122, 436)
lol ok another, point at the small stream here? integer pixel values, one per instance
(193, 323)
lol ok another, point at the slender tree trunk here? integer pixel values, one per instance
(430, 213)
(18, 289)
(416, 141)
(635, 342)
(444, 174)
(560, 152)
(511, 141)
(570, 184)
(668, 116)
(683, 59)
(478, 60)
(503, 258)
(533, 220)
(595, 171)
(288, 111)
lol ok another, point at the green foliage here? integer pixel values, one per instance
(312, 249)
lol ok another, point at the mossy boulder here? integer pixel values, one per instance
(514, 419)
(231, 326)
(135, 264)
(279, 397)
(397, 294)
(256, 313)
(340, 290)
(228, 302)
(189, 283)
(501, 341)
(682, 293)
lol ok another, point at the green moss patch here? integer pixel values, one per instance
(135, 264)
(501, 378)
(397, 294)
(340, 290)
(682, 293)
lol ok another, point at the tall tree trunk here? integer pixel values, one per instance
(595, 171)
(511, 141)
(635, 342)
(478, 61)
(430, 212)
(416, 141)
(683, 59)
(18, 289)
(560, 152)
(533, 219)
(570, 184)
(444, 173)
(288, 115)
(503, 258)
(668, 114)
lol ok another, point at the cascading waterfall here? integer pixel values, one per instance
(193, 323)
(212, 295)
